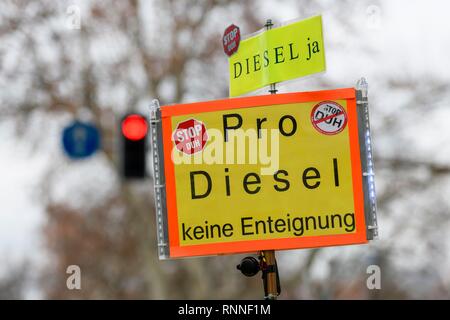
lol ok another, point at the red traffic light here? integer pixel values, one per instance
(134, 127)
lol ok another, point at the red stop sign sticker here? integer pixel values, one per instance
(231, 39)
(190, 136)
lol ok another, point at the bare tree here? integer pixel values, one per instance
(123, 55)
(126, 53)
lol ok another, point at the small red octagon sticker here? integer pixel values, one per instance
(231, 39)
(190, 136)
(329, 117)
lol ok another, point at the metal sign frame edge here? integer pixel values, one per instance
(365, 144)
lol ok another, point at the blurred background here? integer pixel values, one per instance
(94, 61)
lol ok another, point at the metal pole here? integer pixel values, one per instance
(271, 279)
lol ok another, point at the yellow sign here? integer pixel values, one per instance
(268, 172)
(279, 54)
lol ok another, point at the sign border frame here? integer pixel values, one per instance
(358, 237)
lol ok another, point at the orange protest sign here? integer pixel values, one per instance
(267, 172)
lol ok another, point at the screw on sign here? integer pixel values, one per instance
(231, 39)
(329, 117)
(190, 136)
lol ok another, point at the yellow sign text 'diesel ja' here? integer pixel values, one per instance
(279, 54)
(267, 172)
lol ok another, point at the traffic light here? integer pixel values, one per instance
(134, 128)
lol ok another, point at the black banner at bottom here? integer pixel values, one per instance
(214, 309)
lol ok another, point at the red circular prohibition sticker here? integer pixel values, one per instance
(329, 117)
